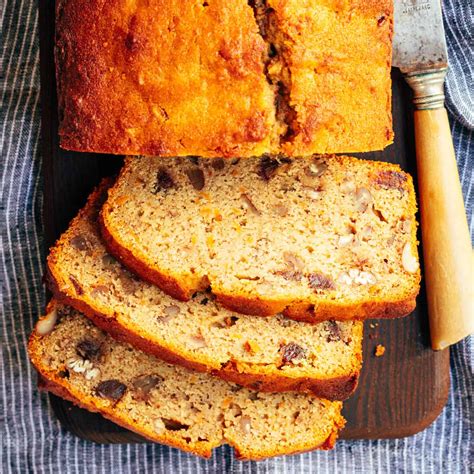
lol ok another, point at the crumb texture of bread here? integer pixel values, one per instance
(318, 238)
(275, 354)
(224, 79)
(169, 404)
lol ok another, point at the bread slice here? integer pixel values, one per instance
(319, 238)
(269, 355)
(170, 404)
(220, 78)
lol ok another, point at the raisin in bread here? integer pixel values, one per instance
(224, 78)
(318, 238)
(170, 404)
(274, 355)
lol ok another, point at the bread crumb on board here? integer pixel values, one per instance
(379, 350)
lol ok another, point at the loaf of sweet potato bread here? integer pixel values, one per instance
(170, 404)
(224, 79)
(269, 355)
(320, 238)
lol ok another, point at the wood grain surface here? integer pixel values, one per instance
(399, 394)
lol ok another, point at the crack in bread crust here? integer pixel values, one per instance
(277, 70)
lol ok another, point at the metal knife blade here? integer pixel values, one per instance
(419, 43)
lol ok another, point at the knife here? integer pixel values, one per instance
(419, 50)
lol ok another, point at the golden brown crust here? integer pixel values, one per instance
(195, 79)
(121, 90)
(254, 306)
(336, 388)
(324, 311)
(167, 283)
(368, 310)
(323, 42)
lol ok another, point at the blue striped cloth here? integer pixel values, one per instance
(33, 440)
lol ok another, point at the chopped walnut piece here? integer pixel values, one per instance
(144, 384)
(317, 168)
(362, 199)
(159, 426)
(46, 325)
(128, 281)
(246, 424)
(109, 262)
(356, 276)
(390, 179)
(293, 261)
(405, 226)
(309, 181)
(169, 313)
(314, 195)
(409, 261)
(319, 282)
(345, 240)
(197, 342)
(92, 373)
(85, 367)
(361, 277)
(366, 233)
(348, 186)
(79, 242)
(290, 275)
(98, 290)
(334, 331)
(281, 210)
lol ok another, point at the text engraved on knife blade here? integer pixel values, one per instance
(415, 5)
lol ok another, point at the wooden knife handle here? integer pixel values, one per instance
(447, 250)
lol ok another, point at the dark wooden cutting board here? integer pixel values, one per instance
(399, 394)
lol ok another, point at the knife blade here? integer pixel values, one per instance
(419, 43)
(419, 50)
